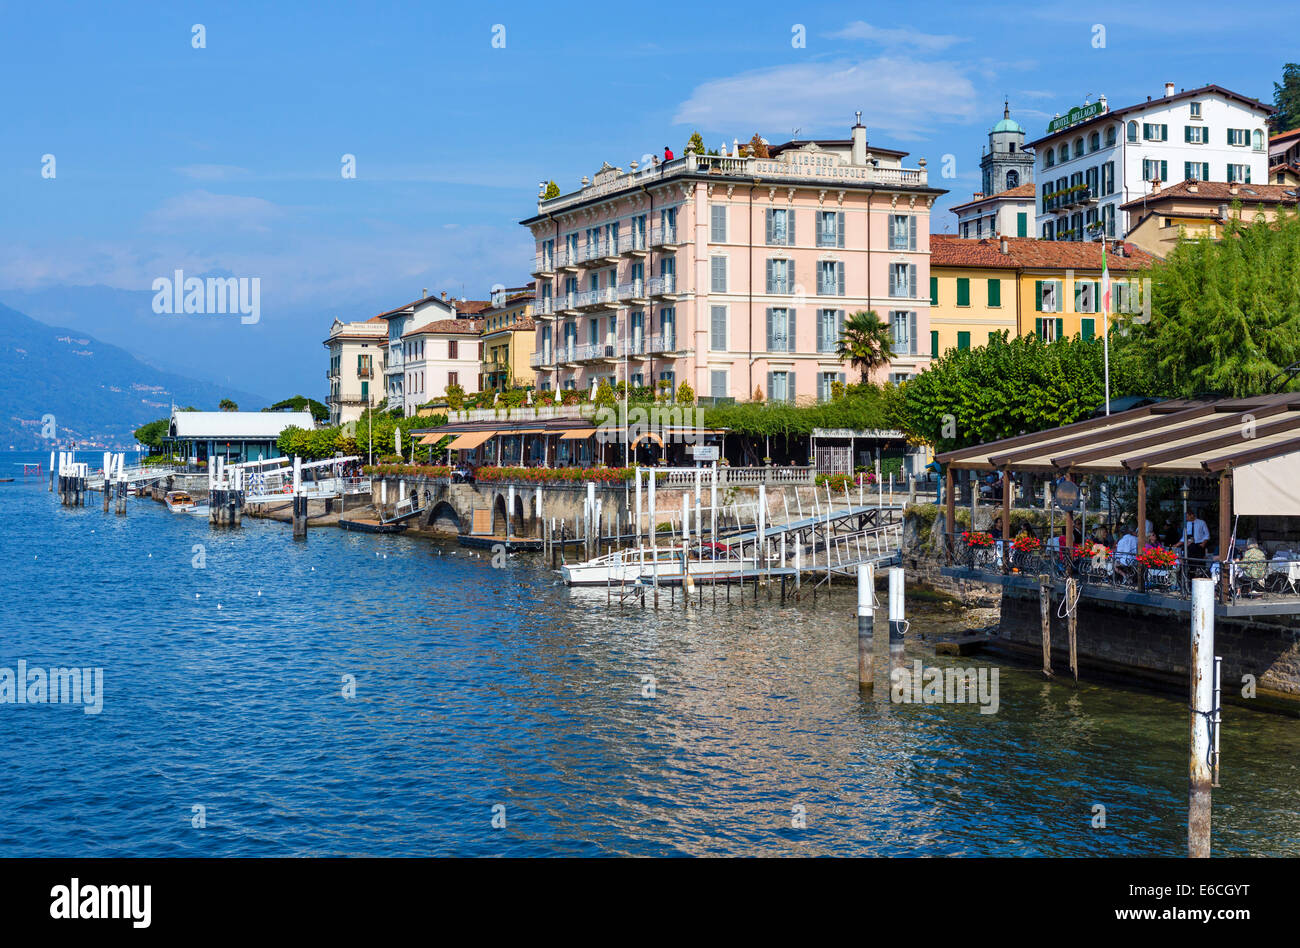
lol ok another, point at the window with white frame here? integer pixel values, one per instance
(1239, 174)
(903, 325)
(830, 278)
(830, 327)
(718, 383)
(780, 386)
(826, 384)
(902, 279)
(780, 227)
(1155, 132)
(902, 231)
(718, 328)
(1239, 137)
(1195, 134)
(830, 228)
(780, 277)
(780, 329)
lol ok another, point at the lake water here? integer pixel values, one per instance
(482, 692)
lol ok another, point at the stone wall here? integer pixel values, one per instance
(1153, 646)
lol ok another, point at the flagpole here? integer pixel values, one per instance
(1105, 319)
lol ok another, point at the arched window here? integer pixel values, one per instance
(1257, 138)
(1013, 179)
(1132, 131)
(1063, 152)
(1094, 141)
(1078, 146)
(1049, 158)
(1110, 136)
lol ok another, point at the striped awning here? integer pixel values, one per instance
(471, 440)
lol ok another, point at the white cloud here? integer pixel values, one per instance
(886, 36)
(899, 95)
(203, 209)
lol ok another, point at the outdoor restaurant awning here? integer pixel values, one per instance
(472, 440)
(432, 438)
(574, 434)
(1181, 437)
(1268, 488)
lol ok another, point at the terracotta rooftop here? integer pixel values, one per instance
(1017, 193)
(524, 324)
(1219, 192)
(1029, 253)
(470, 307)
(1283, 136)
(447, 327)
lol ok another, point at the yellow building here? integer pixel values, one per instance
(1194, 209)
(1022, 285)
(508, 337)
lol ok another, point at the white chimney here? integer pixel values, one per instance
(1004, 246)
(859, 133)
(1169, 89)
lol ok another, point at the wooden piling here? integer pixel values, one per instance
(1045, 613)
(1072, 623)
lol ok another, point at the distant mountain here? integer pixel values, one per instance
(97, 393)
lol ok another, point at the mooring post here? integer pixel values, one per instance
(866, 601)
(896, 614)
(108, 478)
(1045, 613)
(798, 562)
(51, 472)
(1203, 713)
(1072, 622)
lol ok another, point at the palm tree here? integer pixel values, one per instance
(867, 343)
(228, 405)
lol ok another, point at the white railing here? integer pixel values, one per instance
(545, 306)
(545, 263)
(664, 235)
(633, 290)
(801, 168)
(541, 358)
(567, 301)
(630, 242)
(662, 285)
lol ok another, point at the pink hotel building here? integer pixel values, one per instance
(733, 273)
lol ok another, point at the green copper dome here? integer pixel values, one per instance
(1008, 125)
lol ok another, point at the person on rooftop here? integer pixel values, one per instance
(668, 153)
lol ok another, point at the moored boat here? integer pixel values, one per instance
(712, 562)
(178, 501)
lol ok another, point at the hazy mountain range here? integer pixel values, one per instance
(98, 393)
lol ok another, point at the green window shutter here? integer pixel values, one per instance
(992, 336)
(934, 343)
(963, 340)
(1087, 330)
(995, 292)
(1022, 224)
(1060, 328)
(963, 291)
(1038, 297)
(1038, 326)
(934, 291)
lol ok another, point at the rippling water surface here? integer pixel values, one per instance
(478, 687)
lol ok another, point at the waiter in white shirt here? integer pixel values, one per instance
(1195, 536)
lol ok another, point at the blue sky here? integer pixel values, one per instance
(227, 158)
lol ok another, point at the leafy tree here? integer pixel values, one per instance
(685, 394)
(299, 403)
(605, 397)
(455, 396)
(867, 343)
(695, 144)
(1286, 96)
(758, 394)
(758, 147)
(552, 191)
(152, 434)
(1005, 388)
(228, 404)
(863, 406)
(1224, 315)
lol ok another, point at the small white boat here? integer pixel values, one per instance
(709, 563)
(198, 510)
(178, 501)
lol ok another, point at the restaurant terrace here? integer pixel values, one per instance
(1221, 475)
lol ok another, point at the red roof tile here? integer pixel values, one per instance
(1219, 192)
(447, 327)
(1023, 191)
(1029, 253)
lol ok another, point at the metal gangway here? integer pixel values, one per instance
(279, 479)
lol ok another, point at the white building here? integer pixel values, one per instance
(400, 321)
(438, 354)
(1095, 158)
(355, 373)
(1006, 214)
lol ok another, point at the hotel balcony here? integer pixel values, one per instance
(544, 308)
(664, 238)
(593, 251)
(567, 305)
(603, 298)
(494, 366)
(632, 245)
(566, 259)
(664, 285)
(633, 292)
(644, 347)
(544, 265)
(542, 359)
